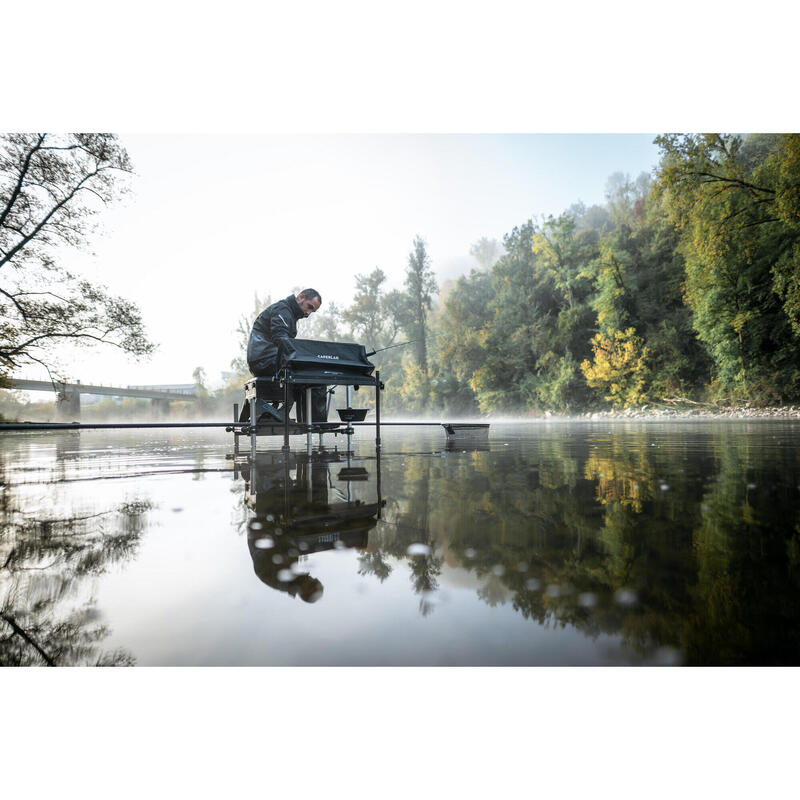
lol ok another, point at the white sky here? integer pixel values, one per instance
(214, 218)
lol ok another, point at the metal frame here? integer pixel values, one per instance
(310, 427)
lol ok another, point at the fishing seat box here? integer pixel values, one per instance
(264, 390)
(267, 391)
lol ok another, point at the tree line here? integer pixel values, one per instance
(684, 285)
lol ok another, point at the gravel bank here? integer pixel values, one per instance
(743, 412)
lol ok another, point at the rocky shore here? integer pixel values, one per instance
(701, 412)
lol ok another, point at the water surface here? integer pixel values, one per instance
(552, 543)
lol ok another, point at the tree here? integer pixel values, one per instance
(486, 252)
(736, 203)
(51, 187)
(420, 288)
(367, 315)
(619, 367)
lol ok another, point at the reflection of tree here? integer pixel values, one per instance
(45, 565)
(409, 524)
(373, 562)
(678, 542)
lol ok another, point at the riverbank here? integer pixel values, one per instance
(701, 412)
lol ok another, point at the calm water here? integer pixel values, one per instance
(550, 543)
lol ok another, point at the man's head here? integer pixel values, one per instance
(309, 301)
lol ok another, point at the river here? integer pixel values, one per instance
(549, 543)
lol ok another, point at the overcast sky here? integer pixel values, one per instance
(213, 219)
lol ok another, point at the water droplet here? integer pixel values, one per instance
(553, 590)
(255, 525)
(499, 570)
(469, 552)
(285, 575)
(264, 543)
(587, 599)
(302, 546)
(533, 585)
(418, 549)
(522, 566)
(270, 518)
(277, 559)
(298, 569)
(667, 657)
(625, 597)
(751, 486)
(664, 487)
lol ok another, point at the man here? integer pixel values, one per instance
(271, 337)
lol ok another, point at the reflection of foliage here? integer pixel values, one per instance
(424, 572)
(373, 562)
(46, 562)
(686, 547)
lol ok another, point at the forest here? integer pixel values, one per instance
(684, 285)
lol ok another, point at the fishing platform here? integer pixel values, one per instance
(311, 366)
(321, 364)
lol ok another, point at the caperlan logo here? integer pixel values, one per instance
(334, 358)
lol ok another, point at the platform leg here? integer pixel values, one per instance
(309, 420)
(378, 466)
(285, 447)
(377, 411)
(253, 418)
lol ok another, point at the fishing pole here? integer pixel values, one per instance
(401, 344)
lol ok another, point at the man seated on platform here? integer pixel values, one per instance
(270, 339)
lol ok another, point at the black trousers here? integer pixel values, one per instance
(297, 391)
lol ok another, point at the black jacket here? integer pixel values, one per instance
(272, 331)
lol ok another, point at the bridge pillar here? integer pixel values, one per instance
(68, 404)
(161, 408)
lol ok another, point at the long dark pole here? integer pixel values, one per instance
(377, 410)
(285, 447)
(67, 426)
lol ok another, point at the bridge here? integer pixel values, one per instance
(68, 395)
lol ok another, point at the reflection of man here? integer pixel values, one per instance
(270, 340)
(295, 517)
(273, 561)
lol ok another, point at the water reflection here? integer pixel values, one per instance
(560, 544)
(300, 508)
(49, 559)
(685, 546)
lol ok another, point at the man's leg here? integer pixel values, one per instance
(319, 402)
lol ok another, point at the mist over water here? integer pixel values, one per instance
(559, 543)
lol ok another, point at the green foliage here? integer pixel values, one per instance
(420, 288)
(734, 201)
